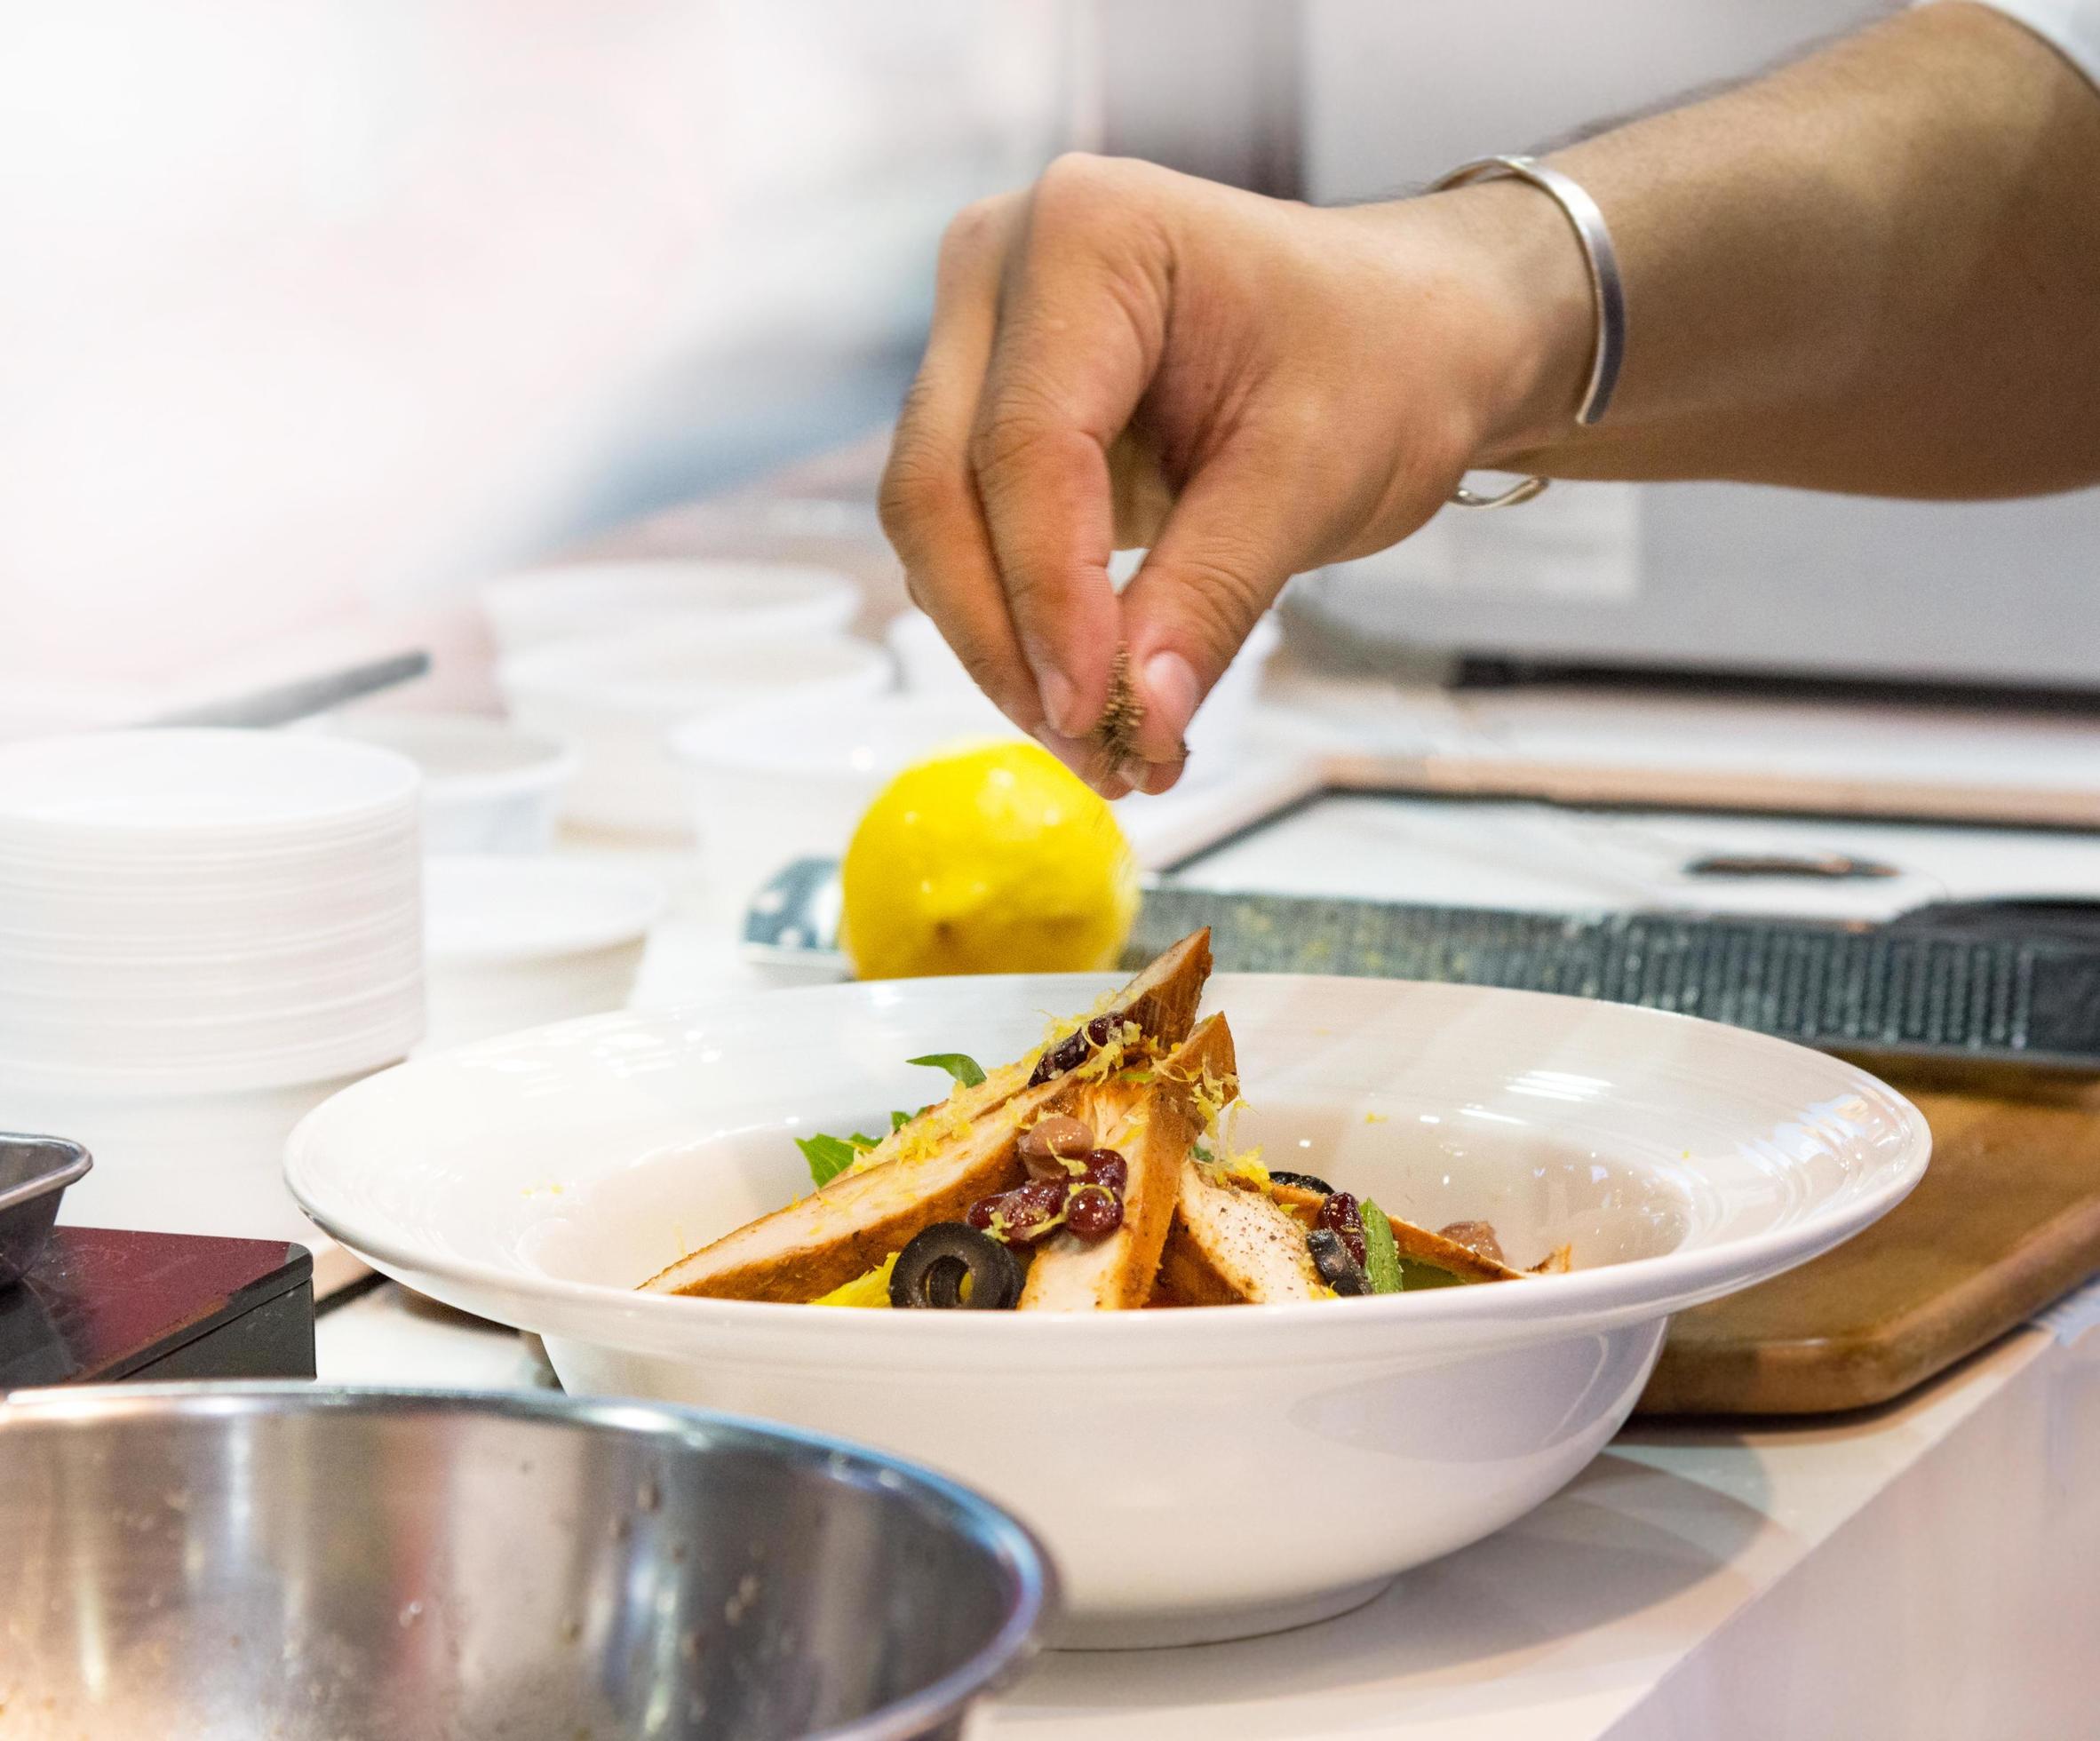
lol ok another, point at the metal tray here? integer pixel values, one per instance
(34, 1174)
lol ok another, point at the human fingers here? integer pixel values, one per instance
(928, 497)
(1079, 337)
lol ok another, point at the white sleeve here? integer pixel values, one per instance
(2070, 26)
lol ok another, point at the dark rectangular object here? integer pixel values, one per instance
(103, 1305)
(1904, 989)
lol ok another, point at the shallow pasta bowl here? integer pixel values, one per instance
(1198, 1474)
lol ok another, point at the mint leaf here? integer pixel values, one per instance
(828, 1155)
(965, 1069)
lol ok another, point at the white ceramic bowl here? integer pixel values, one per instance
(513, 942)
(1198, 1474)
(1219, 736)
(730, 596)
(487, 786)
(771, 783)
(617, 698)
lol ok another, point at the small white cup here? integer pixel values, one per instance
(487, 786)
(619, 698)
(516, 943)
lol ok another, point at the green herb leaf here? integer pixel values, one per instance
(1382, 1251)
(898, 1120)
(963, 1069)
(1415, 1274)
(828, 1155)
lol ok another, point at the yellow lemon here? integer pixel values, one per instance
(992, 860)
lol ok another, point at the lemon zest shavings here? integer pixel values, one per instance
(871, 1289)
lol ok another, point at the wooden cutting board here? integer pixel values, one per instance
(2007, 1219)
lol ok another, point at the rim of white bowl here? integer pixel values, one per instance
(741, 585)
(774, 737)
(542, 760)
(627, 904)
(1635, 1290)
(599, 672)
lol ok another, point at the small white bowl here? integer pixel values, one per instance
(617, 698)
(512, 942)
(1218, 737)
(487, 786)
(771, 784)
(730, 596)
(1199, 1473)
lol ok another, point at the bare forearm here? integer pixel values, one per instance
(1878, 270)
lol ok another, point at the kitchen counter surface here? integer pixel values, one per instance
(1919, 1570)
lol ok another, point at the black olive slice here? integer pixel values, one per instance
(929, 1271)
(1330, 1256)
(1304, 1181)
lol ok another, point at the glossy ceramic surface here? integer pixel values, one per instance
(537, 1178)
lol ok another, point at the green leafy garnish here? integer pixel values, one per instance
(1416, 1274)
(828, 1155)
(963, 1069)
(1381, 1252)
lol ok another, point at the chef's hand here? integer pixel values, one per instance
(1125, 356)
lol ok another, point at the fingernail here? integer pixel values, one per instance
(1152, 778)
(1059, 697)
(1074, 752)
(1170, 692)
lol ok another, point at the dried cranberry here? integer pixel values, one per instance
(1026, 1212)
(1093, 1212)
(979, 1214)
(1105, 1166)
(1340, 1214)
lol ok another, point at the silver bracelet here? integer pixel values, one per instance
(1606, 291)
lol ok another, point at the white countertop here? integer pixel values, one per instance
(1880, 1574)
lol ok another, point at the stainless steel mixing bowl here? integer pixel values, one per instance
(313, 1564)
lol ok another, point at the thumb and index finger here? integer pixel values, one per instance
(1060, 352)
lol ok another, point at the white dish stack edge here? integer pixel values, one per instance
(203, 935)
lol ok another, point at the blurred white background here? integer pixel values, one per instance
(316, 312)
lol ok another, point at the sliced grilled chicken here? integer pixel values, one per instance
(1153, 1125)
(1231, 1247)
(1460, 1259)
(820, 1241)
(931, 1169)
(1161, 1000)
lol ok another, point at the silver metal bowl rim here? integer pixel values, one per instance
(1036, 1599)
(73, 1164)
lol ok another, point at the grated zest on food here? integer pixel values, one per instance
(871, 1289)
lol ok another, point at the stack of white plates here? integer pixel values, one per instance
(199, 931)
